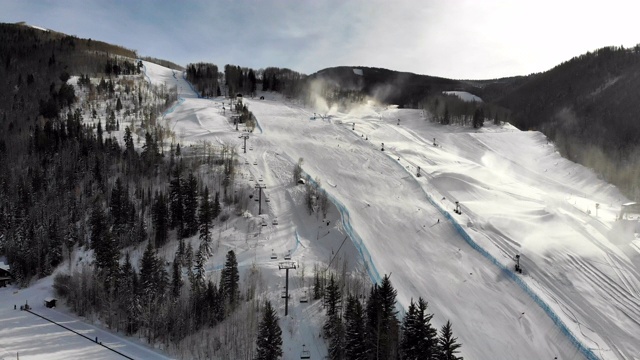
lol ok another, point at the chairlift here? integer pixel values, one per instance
(305, 354)
(246, 162)
(304, 298)
(266, 199)
(255, 162)
(264, 222)
(260, 179)
(251, 148)
(287, 256)
(283, 294)
(275, 221)
(273, 255)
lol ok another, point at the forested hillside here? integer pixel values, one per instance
(386, 86)
(589, 106)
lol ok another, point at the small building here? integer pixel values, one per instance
(630, 210)
(50, 302)
(5, 275)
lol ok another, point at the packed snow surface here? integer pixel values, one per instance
(579, 293)
(517, 196)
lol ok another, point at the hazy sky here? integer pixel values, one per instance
(464, 39)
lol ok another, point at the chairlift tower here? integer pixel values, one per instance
(244, 137)
(286, 265)
(518, 268)
(260, 187)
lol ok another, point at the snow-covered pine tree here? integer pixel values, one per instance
(269, 342)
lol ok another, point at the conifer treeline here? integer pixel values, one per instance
(373, 331)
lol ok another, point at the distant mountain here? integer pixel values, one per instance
(588, 105)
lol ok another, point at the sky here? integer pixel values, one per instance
(462, 39)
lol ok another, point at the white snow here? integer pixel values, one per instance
(464, 96)
(517, 196)
(30, 337)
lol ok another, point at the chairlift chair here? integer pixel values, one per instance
(287, 256)
(255, 162)
(283, 294)
(275, 221)
(273, 255)
(304, 298)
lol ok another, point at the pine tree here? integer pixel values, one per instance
(176, 277)
(105, 250)
(200, 274)
(420, 339)
(217, 208)
(333, 328)
(129, 302)
(355, 340)
(154, 281)
(409, 344)
(190, 198)
(448, 344)
(269, 342)
(160, 219)
(176, 202)
(204, 219)
(382, 324)
(128, 142)
(390, 328)
(230, 279)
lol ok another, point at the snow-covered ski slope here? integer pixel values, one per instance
(579, 295)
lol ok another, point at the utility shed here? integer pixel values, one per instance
(50, 302)
(5, 275)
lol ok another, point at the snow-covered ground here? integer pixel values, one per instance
(578, 296)
(27, 336)
(579, 293)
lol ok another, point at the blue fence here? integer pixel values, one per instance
(372, 271)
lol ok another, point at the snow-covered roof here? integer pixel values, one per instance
(4, 266)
